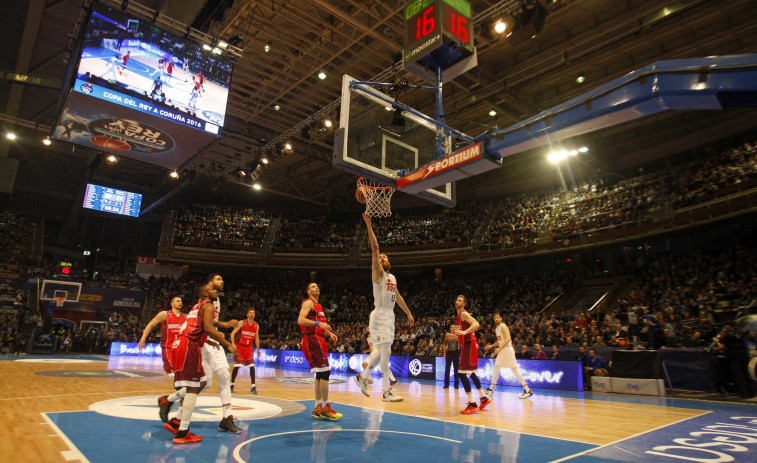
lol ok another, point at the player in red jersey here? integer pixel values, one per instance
(125, 59)
(466, 325)
(169, 68)
(199, 324)
(201, 81)
(313, 324)
(248, 332)
(170, 326)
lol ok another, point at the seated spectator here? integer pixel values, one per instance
(668, 340)
(595, 366)
(695, 341)
(599, 342)
(538, 354)
(556, 354)
(523, 354)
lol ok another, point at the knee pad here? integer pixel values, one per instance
(323, 375)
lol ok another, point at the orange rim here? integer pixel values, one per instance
(363, 185)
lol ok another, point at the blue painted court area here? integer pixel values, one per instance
(361, 435)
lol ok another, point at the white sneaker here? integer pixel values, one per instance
(526, 394)
(390, 396)
(489, 392)
(363, 385)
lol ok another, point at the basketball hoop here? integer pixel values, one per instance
(59, 300)
(376, 197)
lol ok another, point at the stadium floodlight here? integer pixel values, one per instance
(216, 51)
(112, 159)
(46, 141)
(580, 79)
(256, 186)
(174, 174)
(223, 44)
(500, 26)
(573, 152)
(583, 149)
(288, 146)
(328, 123)
(322, 75)
(10, 136)
(264, 160)
(492, 113)
(267, 47)
(206, 47)
(276, 107)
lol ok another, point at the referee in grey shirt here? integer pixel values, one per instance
(451, 356)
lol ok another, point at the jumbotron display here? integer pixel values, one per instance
(100, 198)
(140, 92)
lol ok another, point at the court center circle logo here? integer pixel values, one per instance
(208, 408)
(415, 367)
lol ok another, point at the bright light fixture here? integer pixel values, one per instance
(388, 108)
(288, 146)
(267, 47)
(328, 123)
(573, 152)
(217, 51)
(10, 136)
(223, 44)
(580, 79)
(207, 47)
(264, 160)
(256, 186)
(174, 174)
(46, 141)
(321, 75)
(112, 159)
(492, 113)
(500, 26)
(583, 149)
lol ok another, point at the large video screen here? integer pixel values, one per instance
(141, 92)
(100, 198)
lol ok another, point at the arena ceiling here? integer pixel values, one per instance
(597, 39)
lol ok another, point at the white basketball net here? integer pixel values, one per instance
(377, 197)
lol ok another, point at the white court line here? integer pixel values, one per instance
(475, 425)
(69, 455)
(238, 448)
(626, 438)
(154, 391)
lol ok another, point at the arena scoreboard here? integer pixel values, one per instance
(100, 198)
(439, 32)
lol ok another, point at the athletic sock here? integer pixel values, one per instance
(177, 395)
(226, 411)
(189, 404)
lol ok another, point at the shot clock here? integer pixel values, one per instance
(443, 27)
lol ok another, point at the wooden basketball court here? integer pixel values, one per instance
(39, 391)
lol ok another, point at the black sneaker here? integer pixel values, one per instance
(227, 424)
(165, 407)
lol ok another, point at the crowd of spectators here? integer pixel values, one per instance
(16, 235)
(221, 227)
(519, 219)
(308, 231)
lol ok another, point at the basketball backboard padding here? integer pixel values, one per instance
(469, 161)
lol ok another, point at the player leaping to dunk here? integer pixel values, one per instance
(505, 358)
(381, 322)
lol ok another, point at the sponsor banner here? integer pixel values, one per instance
(601, 384)
(133, 132)
(639, 386)
(710, 438)
(545, 374)
(293, 359)
(131, 349)
(420, 368)
(471, 160)
(117, 298)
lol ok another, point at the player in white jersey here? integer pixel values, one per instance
(372, 359)
(214, 360)
(505, 358)
(381, 322)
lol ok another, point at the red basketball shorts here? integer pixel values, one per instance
(316, 352)
(244, 356)
(469, 357)
(187, 362)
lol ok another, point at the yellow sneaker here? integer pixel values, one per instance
(329, 413)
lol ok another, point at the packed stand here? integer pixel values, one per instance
(519, 219)
(303, 231)
(221, 227)
(16, 234)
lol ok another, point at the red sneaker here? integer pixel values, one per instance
(189, 438)
(484, 402)
(172, 426)
(471, 408)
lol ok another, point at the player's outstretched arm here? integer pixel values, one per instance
(377, 272)
(207, 322)
(405, 308)
(156, 320)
